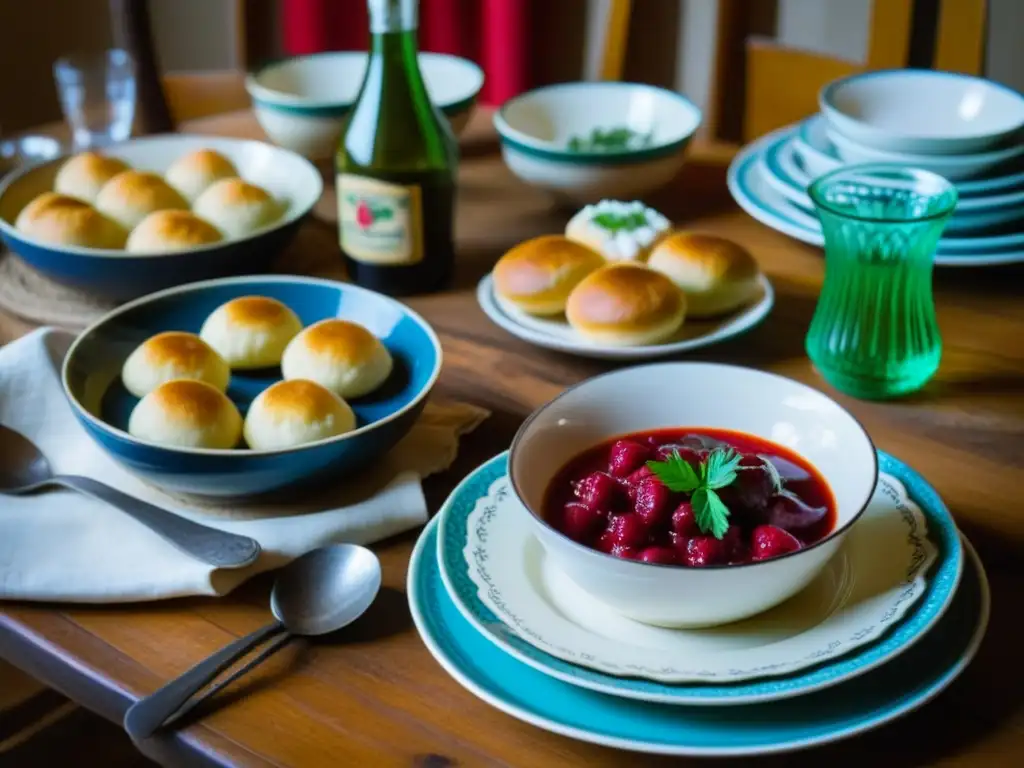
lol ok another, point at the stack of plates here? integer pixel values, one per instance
(511, 628)
(911, 118)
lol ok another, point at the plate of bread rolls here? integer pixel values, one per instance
(239, 386)
(623, 283)
(156, 212)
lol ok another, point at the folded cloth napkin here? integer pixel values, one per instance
(59, 545)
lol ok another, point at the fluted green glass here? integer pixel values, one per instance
(874, 334)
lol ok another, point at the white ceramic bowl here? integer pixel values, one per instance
(537, 129)
(923, 111)
(301, 102)
(952, 167)
(694, 395)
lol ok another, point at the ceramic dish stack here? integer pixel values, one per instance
(894, 606)
(967, 129)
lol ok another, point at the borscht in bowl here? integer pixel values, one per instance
(692, 494)
(693, 498)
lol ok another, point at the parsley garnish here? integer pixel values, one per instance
(609, 140)
(613, 222)
(716, 471)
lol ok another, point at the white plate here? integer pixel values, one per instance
(867, 587)
(779, 167)
(761, 202)
(820, 157)
(555, 333)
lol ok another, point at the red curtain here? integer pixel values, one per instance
(493, 33)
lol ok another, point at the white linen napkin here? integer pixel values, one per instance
(59, 545)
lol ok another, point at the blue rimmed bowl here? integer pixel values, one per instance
(301, 102)
(588, 141)
(117, 274)
(92, 384)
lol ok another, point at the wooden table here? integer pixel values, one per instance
(376, 697)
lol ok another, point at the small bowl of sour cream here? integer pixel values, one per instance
(589, 141)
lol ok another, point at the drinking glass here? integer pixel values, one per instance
(97, 96)
(874, 333)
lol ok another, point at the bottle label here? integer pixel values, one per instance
(380, 222)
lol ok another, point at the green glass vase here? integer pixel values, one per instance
(874, 334)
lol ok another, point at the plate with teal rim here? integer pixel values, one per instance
(852, 707)
(848, 658)
(820, 157)
(781, 173)
(750, 191)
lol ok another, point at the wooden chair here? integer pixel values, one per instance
(760, 85)
(782, 85)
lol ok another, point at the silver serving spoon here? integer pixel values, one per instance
(320, 592)
(24, 469)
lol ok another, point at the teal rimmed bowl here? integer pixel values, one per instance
(301, 102)
(588, 141)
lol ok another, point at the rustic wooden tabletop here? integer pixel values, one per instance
(376, 697)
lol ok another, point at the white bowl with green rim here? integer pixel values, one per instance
(588, 141)
(301, 102)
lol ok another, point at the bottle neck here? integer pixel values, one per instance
(387, 16)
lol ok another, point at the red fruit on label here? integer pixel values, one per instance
(364, 214)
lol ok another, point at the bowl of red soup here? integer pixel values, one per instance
(692, 494)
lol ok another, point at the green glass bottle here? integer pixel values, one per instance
(396, 167)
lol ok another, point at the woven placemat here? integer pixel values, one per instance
(38, 299)
(34, 297)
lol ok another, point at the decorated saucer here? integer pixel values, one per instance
(830, 631)
(849, 708)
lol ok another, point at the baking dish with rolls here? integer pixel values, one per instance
(622, 282)
(155, 212)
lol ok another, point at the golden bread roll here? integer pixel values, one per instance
(186, 413)
(618, 231)
(340, 355)
(295, 412)
(538, 275)
(173, 355)
(236, 207)
(251, 331)
(164, 231)
(63, 220)
(716, 274)
(191, 174)
(131, 196)
(85, 174)
(626, 305)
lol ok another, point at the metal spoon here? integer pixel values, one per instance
(24, 468)
(320, 592)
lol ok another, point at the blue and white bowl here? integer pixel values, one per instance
(692, 395)
(923, 112)
(92, 384)
(301, 102)
(546, 138)
(119, 275)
